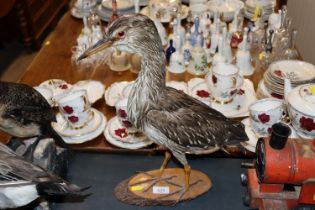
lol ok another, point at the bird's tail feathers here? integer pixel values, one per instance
(60, 188)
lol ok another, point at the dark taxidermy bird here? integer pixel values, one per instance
(167, 116)
(24, 113)
(21, 182)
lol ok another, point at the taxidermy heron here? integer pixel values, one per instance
(22, 182)
(167, 116)
(24, 113)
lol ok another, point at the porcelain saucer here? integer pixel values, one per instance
(89, 136)
(95, 89)
(237, 108)
(115, 92)
(62, 127)
(253, 136)
(46, 93)
(125, 140)
(126, 90)
(184, 13)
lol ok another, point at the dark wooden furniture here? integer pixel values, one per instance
(54, 62)
(30, 18)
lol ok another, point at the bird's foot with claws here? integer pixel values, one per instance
(153, 180)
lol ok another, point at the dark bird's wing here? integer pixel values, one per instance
(24, 104)
(191, 124)
(15, 171)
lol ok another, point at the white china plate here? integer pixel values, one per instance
(178, 85)
(46, 93)
(88, 136)
(114, 92)
(114, 141)
(184, 13)
(58, 87)
(114, 124)
(296, 71)
(95, 89)
(63, 128)
(126, 90)
(121, 4)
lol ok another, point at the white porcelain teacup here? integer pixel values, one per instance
(264, 113)
(121, 111)
(224, 82)
(75, 108)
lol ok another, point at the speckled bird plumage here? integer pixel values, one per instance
(24, 112)
(167, 116)
(21, 182)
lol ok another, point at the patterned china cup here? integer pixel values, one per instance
(75, 108)
(224, 82)
(121, 111)
(301, 108)
(264, 113)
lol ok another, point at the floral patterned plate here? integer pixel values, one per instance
(116, 135)
(114, 92)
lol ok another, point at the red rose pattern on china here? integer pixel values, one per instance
(68, 109)
(278, 73)
(264, 118)
(122, 113)
(241, 92)
(64, 86)
(121, 132)
(269, 130)
(203, 93)
(73, 119)
(214, 79)
(307, 124)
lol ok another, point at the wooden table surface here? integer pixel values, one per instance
(54, 62)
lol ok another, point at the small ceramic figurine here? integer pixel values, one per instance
(186, 49)
(243, 59)
(177, 64)
(160, 28)
(227, 51)
(198, 64)
(195, 32)
(219, 56)
(119, 61)
(180, 30)
(170, 50)
(137, 6)
(215, 34)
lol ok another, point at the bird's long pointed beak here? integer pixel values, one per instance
(100, 45)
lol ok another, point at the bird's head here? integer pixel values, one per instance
(130, 33)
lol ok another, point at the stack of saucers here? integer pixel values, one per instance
(298, 72)
(266, 6)
(105, 9)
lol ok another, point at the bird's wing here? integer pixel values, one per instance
(15, 169)
(188, 122)
(24, 104)
(29, 114)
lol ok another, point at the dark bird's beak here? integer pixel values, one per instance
(99, 46)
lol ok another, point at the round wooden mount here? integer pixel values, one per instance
(149, 189)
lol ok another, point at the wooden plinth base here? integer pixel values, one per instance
(146, 189)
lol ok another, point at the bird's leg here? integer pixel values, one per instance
(187, 170)
(167, 157)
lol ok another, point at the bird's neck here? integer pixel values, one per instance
(147, 87)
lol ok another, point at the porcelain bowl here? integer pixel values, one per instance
(303, 124)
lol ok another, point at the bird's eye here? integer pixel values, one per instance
(121, 34)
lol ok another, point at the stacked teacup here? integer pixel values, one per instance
(76, 109)
(224, 82)
(263, 114)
